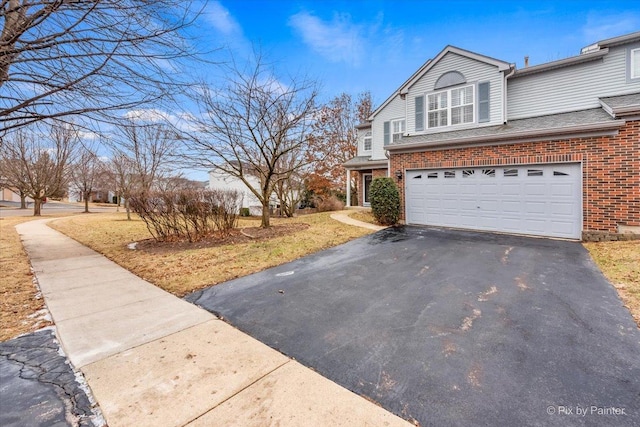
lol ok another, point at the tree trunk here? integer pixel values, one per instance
(23, 201)
(86, 203)
(126, 205)
(265, 214)
(37, 207)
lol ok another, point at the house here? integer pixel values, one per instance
(546, 150)
(219, 179)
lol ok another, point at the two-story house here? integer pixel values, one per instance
(546, 150)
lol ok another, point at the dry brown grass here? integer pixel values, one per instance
(620, 263)
(21, 301)
(362, 215)
(181, 272)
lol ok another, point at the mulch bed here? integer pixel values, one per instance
(237, 236)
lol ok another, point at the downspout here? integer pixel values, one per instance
(504, 93)
(386, 153)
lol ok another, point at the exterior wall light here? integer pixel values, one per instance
(399, 175)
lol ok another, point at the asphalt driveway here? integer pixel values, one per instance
(451, 327)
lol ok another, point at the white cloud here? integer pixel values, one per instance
(338, 40)
(148, 115)
(218, 16)
(600, 27)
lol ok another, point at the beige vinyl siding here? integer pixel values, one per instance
(392, 111)
(474, 71)
(570, 88)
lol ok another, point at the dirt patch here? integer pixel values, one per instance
(237, 236)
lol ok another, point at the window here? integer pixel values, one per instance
(489, 172)
(367, 141)
(449, 174)
(534, 172)
(510, 172)
(468, 172)
(451, 107)
(558, 173)
(634, 59)
(397, 130)
(432, 175)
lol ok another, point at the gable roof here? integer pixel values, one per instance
(502, 66)
(404, 88)
(396, 92)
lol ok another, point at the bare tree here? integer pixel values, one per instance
(123, 175)
(334, 140)
(87, 172)
(43, 159)
(251, 124)
(60, 58)
(141, 155)
(14, 178)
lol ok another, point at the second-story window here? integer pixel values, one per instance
(397, 130)
(635, 63)
(450, 107)
(366, 146)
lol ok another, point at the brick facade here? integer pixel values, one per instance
(610, 170)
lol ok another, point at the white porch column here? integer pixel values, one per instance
(348, 187)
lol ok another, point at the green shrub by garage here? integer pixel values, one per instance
(385, 201)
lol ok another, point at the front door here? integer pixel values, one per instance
(366, 178)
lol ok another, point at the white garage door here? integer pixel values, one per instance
(541, 200)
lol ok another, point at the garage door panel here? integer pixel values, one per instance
(539, 199)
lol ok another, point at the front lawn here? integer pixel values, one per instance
(620, 263)
(180, 270)
(20, 303)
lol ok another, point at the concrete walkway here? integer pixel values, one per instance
(151, 358)
(343, 216)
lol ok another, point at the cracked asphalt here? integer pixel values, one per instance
(450, 327)
(38, 386)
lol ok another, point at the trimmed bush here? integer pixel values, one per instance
(385, 201)
(245, 212)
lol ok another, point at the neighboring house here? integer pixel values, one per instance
(547, 150)
(10, 194)
(224, 181)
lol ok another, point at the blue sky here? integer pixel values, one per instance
(357, 45)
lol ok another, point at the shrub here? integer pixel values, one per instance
(385, 201)
(329, 203)
(245, 212)
(191, 214)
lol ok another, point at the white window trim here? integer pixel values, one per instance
(450, 107)
(633, 73)
(403, 129)
(367, 136)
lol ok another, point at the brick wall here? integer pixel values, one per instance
(610, 165)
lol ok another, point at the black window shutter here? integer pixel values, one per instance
(483, 102)
(419, 113)
(387, 136)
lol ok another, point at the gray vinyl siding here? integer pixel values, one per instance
(474, 71)
(570, 88)
(392, 111)
(361, 134)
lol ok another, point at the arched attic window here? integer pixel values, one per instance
(450, 78)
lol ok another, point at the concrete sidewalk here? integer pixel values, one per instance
(343, 216)
(151, 358)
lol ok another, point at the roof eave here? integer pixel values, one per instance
(592, 129)
(566, 62)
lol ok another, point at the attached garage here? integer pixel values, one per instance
(539, 200)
